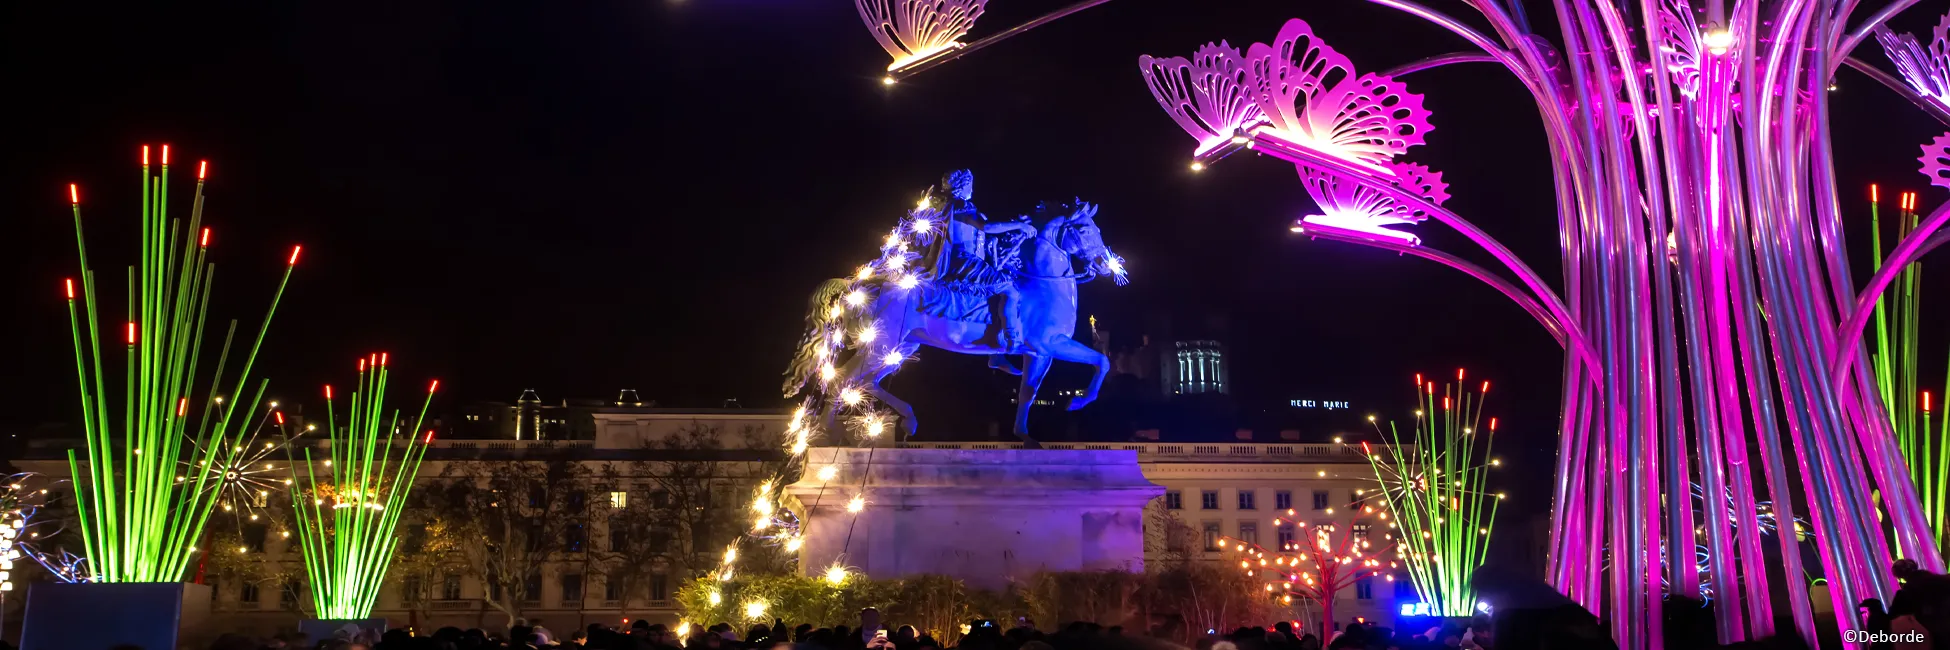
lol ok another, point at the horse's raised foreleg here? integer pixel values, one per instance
(1037, 366)
(1069, 349)
(880, 370)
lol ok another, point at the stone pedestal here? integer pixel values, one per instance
(987, 516)
(154, 615)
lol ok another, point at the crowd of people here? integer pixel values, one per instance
(870, 634)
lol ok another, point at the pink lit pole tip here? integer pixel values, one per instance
(435, 386)
(1459, 374)
(1486, 386)
(69, 283)
(202, 169)
(74, 194)
(165, 156)
(294, 255)
(362, 365)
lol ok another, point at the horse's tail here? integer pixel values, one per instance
(819, 314)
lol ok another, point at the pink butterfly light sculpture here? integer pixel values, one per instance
(1926, 71)
(913, 30)
(1303, 95)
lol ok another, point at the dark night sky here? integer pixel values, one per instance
(579, 197)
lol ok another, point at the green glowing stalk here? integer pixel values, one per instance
(1437, 491)
(349, 543)
(139, 515)
(1896, 360)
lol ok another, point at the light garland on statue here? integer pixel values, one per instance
(839, 325)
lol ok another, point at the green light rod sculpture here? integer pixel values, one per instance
(347, 525)
(139, 516)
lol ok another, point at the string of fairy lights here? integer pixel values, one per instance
(138, 522)
(347, 521)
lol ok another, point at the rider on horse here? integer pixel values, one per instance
(972, 268)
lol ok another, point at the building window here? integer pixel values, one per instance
(1364, 589)
(450, 587)
(537, 497)
(577, 499)
(619, 500)
(1285, 531)
(254, 538)
(1212, 536)
(412, 589)
(1320, 499)
(1282, 500)
(573, 537)
(288, 594)
(619, 536)
(1248, 500)
(659, 587)
(1208, 500)
(571, 587)
(248, 594)
(532, 587)
(1174, 500)
(1360, 529)
(612, 588)
(1249, 532)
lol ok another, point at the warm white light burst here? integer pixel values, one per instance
(893, 358)
(856, 298)
(907, 281)
(836, 574)
(828, 472)
(856, 504)
(851, 396)
(755, 609)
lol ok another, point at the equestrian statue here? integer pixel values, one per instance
(952, 279)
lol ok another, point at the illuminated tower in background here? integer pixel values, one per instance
(1196, 367)
(528, 416)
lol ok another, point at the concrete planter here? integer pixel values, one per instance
(98, 616)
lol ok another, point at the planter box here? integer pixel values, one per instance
(320, 629)
(98, 616)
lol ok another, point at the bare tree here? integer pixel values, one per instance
(516, 517)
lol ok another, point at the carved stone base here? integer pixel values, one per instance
(987, 516)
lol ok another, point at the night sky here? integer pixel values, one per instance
(582, 197)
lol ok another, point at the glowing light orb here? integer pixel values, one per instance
(856, 504)
(893, 358)
(836, 574)
(755, 609)
(828, 472)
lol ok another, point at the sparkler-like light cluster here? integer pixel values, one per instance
(346, 520)
(1438, 492)
(21, 498)
(138, 521)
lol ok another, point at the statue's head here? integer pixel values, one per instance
(959, 183)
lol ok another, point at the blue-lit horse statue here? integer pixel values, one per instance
(863, 327)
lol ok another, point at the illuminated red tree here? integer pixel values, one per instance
(1317, 564)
